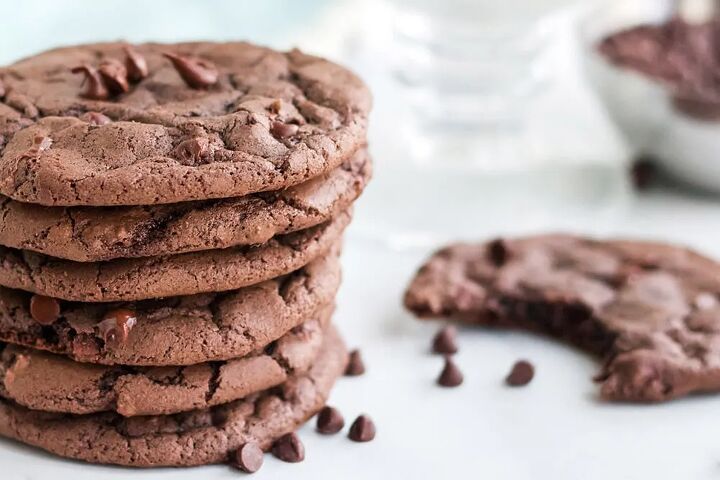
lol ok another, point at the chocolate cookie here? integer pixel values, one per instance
(91, 234)
(46, 382)
(177, 330)
(651, 311)
(172, 275)
(193, 438)
(224, 120)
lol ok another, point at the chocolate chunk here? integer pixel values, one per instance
(355, 365)
(362, 429)
(289, 448)
(248, 458)
(330, 421)
(193, 151)
(95, 118)
(44, 310)
(497, 252)
(451, 376)
(196, 72)
(2, 88)
(642, 173)
(282, 130)
(444, 341)
(116, 326)
(521, 374)
(115, 75)
(135, 65)
(96, 88)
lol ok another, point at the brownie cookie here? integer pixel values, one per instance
(91, 234)
(228, 120)
(651, 311)
(172, 275)
(177, 330)
(46, 382)
(194, 438)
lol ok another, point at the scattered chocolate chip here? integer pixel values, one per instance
(115, 75)
(497, 252)
(96, 88)
(355, 365)
(289, 448)
(95, 118)
(282, 130)
(362, 429)
(444, 341)
(521, 374)
(451, 376)
(643, 173)
(248, 458)
(330, 421)
(44, 310)
(135, 65)
(196, 72)
(192, 151)
(116, 326)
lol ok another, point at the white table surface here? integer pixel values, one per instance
(555, 428)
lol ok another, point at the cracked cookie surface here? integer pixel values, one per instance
(178, 330)
(52, 383)
(193, 438)
(91, 234)
(650, 311)
(165, 142)
(171, 275)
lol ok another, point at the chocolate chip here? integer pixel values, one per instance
(521, 374)
(282, 130)
(192, 151)
(643, 173)
(330, 421)
(196, 72)
(355, 365)
(44, 310)
(135, 65)
(276, 106)
(444, 341)
(40, 144)
(96, 88)
(2, 88)
(362, 429)
(289, 448)
(497, 252)
(115, 75)
(248, 458)
(116, 326)
(451, 376)
(95, 118)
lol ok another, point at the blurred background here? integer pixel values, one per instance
(489, 116)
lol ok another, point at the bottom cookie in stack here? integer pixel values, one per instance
(197, 437)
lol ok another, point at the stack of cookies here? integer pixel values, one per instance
(171, 223)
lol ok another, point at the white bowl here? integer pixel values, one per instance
(687, 148)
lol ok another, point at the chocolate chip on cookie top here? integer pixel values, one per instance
(270, 120)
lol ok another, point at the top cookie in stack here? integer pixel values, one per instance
(172, 215)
